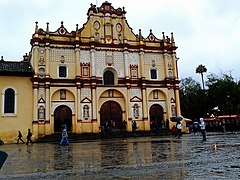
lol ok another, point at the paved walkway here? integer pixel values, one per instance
(162, 157)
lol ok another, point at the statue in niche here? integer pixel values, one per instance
(173, 110)
(63, 94)
(136, 110)
(85, 111)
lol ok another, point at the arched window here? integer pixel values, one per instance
(108, 78)
(9, 101)
(86, 111)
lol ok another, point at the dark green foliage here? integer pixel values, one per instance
(222, 92)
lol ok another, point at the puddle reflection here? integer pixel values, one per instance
(133, 157)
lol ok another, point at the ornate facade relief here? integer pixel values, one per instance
(85, 56)
(41, 93)
(158, 58)
(135, 92)
(56, 54)
(161, 103)
(57, 104)
(85, 93)
(133, 58)
(100, 62)
(119, 63)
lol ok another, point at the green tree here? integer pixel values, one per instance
(201, 69)
(191, 98)
(223, 92)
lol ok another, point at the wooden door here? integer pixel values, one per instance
(111, 113)
(62, 116)
(156, 117)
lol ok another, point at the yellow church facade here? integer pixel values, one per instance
(99, 73)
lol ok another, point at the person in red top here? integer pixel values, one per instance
(174, 131)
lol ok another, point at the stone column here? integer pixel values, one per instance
(47, 110)
(35, 58)
(165, 64)
(128, 110)
(141, 68)
(47, 59)
(177, 102)
(92, 56)
(77, 60)
(145, 109)
(95, 124)
(94, 104)
(175, 75)
(125, 55)
(78, 122)
(35, 110)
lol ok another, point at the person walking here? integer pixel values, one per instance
(64, 140)
(194, 127)
(29, 137)
(179, 129)
(203, 130)
(134, 125)
(20, 137)
(124, 125)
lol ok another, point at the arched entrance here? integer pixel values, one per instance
(156, 117)
(111, 113)
(62, 116)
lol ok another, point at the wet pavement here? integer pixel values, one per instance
(162, 157)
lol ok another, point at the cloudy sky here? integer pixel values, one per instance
(206, 31)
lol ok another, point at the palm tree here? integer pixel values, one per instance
(201, 69)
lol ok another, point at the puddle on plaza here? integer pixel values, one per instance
(132, 157)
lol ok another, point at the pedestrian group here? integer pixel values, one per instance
(29, 137)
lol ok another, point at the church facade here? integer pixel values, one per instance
(99, 73)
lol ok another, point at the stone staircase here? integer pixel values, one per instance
(73, 137)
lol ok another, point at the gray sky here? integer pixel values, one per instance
(206, 31)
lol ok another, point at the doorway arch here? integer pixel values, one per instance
(62, 116)
(156, 117)
(111, 113)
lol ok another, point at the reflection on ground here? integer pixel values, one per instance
(131, 158)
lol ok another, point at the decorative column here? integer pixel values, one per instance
(165, 64)
(35, 109)
(145, 108)
(174, 58)
(78, 122)
(141, 69)
(175, 75)
(77, 60)
(165, 45)
(177, 102)
(92, 56)
(125, 55)
(128, 110)
(47, 58)
(35, 58)
(35, 50)
(95, 125)
(47, 109)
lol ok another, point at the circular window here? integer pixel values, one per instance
(96, 25)
(41, 71)
(119, 27)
